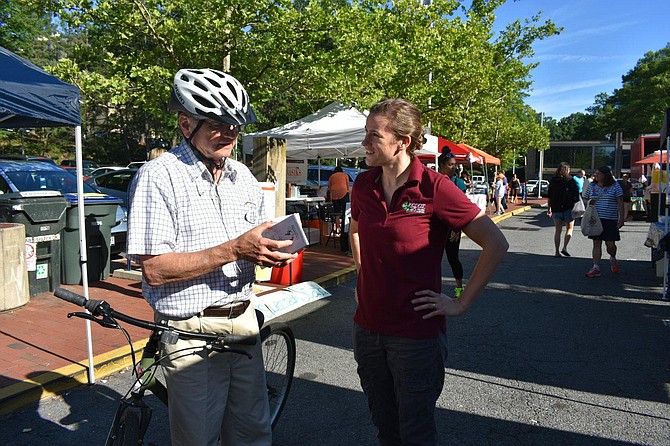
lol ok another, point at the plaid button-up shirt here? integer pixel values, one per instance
(176, 207)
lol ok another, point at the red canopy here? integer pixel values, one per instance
(656, 157)
(463, 152)
(488, 159)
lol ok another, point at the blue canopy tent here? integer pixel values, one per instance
(31, 97)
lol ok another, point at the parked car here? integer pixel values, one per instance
(114, 183)
(479, 187)
(478, 179)
(12, 156)
(24, 176)
(87, 166)
(317, 178)
(135, 164)
(101, 170)
(531, 188)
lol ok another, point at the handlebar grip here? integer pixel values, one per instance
(69, 296)
(235, 339)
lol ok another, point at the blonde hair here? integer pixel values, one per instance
(155, 153)
(404, 120)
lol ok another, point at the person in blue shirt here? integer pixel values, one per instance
(580, 178)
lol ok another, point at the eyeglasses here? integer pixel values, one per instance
(223, 129)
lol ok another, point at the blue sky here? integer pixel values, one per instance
(601, 41)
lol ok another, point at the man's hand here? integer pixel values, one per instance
(250, 246)
(255, 248)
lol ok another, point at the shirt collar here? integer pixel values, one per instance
(199, 168)
(415, 172)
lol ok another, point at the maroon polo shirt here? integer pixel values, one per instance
(401, 247)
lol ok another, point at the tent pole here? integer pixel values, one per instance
(667, 197)
(82, 245)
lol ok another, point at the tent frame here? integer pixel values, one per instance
(31, 97)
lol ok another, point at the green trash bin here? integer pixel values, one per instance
(99, 217)
(43, 215)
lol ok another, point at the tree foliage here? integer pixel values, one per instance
(297, 56)
(636, 108)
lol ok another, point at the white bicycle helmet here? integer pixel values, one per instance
(211, 94)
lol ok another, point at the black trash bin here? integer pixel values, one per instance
(99, 217)
(43, 214)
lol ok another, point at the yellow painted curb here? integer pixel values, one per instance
(56, 381)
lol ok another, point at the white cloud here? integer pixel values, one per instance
(562, 88)
(579, 58)
(561, 108)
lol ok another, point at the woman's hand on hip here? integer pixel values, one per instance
(436, 304)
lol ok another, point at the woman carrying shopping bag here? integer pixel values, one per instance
(608, 198)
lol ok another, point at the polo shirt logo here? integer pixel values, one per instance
(414, 208)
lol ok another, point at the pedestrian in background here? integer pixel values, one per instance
(515, 185)
(466, 179)
(627, 189)
(606, 195)
(402, 213)
(446, 163)
(580, 178)
(563, 193)
(338, 187)
(155, 153)
(499, 192)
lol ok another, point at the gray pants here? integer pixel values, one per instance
(402, 379)
(219, 394)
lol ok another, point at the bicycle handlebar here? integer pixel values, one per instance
(103, 314)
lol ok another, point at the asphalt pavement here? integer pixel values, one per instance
(547, 356)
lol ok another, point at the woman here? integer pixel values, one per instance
(402, 213)
(499, 191)
(514, 189)
(446, 164)
(606, 195)
(563, 194)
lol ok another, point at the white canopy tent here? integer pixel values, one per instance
(335, 131)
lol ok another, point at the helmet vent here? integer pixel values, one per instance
(204, 102)
(200, 85)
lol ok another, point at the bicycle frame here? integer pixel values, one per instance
(133, 415)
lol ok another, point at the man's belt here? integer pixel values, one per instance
(230, 311)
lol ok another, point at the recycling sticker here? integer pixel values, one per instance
(42, 271)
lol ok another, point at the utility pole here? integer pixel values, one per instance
(428, 3)
(539, 176)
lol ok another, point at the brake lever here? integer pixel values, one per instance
(228, 349)
(105, 321)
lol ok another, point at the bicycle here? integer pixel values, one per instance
(133, 415)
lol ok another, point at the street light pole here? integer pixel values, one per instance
(539, 177)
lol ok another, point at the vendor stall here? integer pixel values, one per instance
(308, 208)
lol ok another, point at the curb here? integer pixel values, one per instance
(51, 383)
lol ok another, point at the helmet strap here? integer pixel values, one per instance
(213, 167)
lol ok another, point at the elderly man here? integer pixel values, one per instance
(195, 225)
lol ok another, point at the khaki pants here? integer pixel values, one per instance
(217, 394)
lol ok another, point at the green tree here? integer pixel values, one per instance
(295, 57)
(639, 105)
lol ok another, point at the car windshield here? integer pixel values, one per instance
(63, 182)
